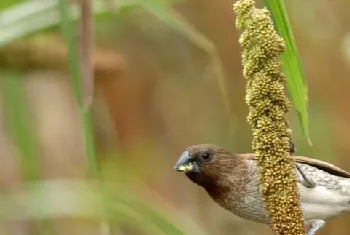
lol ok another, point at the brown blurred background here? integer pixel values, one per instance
(157, 92)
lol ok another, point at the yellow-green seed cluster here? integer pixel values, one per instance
(268, 106)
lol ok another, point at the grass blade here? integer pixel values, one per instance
(74, 68)
(20, 128)
(296, 84)
(34, 16)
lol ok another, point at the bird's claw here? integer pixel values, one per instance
(315, 226)
(306, 182)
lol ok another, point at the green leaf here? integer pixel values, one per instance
(19, 124)
(21, 129)
(28, 17)
(68, 32)
(296, 84)
(33, 16)
(8, 3)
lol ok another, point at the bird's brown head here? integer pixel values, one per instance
(209, 166)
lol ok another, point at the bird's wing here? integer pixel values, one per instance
(321, 165)
(324, 166)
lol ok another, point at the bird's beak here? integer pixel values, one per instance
(185, 164)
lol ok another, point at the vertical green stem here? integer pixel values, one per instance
(69, 37)
(74, 67)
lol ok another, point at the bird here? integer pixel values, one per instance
(232, 181)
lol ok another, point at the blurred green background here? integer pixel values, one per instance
(156, 66)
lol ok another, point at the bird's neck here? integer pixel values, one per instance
(217, 191)
(230, 183)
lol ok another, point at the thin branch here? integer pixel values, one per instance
(86, 52)
(48, 52)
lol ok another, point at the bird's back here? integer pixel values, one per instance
(330, 197)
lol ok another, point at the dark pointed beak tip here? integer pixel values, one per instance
(176, 168)
(183, 164)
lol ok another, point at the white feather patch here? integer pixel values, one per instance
(322, 203)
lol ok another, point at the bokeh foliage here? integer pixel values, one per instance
(26, 18)
(21, 20)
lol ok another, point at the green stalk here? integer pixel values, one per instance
(69, 37)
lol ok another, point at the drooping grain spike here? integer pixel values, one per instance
(268, 106)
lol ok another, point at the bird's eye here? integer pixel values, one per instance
(206, 156)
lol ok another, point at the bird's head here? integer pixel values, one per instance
(208, 165)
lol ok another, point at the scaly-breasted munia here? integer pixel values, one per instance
(232, 181)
